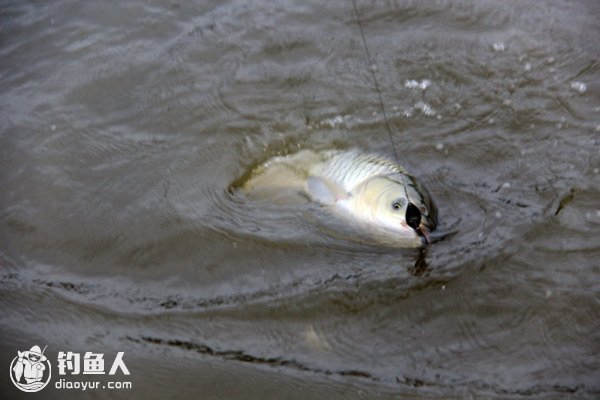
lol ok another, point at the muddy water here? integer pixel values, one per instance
(123, 125)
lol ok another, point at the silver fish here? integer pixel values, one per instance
(371, 192)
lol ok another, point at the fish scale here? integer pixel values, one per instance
(349, 169)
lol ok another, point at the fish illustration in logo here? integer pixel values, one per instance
(30, 370)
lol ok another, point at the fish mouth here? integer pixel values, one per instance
(414, 219)
(423, 232)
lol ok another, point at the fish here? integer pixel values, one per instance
(18, 368)
(370, 192)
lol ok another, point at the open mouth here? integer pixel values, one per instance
(413, 219)
(423, 233)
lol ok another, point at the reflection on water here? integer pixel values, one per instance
(124, 124)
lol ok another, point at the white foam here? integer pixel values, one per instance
(579, 86)
(424, 108)
(415, 84)
(333, 122)
(500, 46)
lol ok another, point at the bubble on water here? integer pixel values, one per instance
(499, 46)
(527, 67)
(579, 86)
(415, 84)
(424, 108)
(333, 122)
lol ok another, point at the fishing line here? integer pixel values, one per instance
(372, 69)
(413, 214)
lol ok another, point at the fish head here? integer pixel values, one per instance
(397, 203)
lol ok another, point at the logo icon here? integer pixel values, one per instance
(30, 371)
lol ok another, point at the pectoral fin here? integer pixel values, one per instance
(323, 191)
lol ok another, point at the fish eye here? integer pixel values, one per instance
(397, 204)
